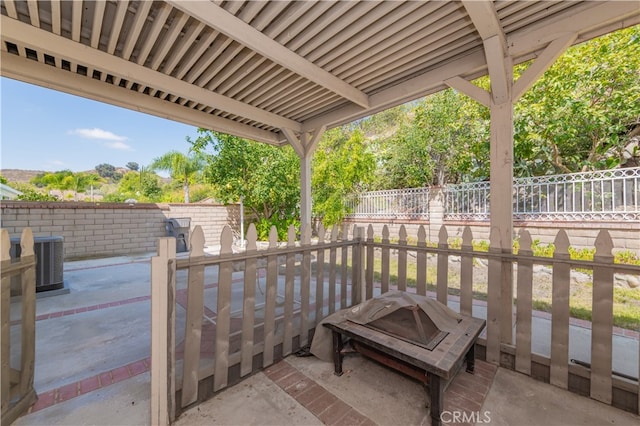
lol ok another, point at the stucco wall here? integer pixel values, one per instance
(108, 229)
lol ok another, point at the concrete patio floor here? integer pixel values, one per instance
(92, 367)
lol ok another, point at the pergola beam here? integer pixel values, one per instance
(478, 93)
(601, 15)
(497, 70)
(541, 64)
(305, 145)
(409, 90)
(485, 19)
(62, 47)
(26, 70)
(245, 34)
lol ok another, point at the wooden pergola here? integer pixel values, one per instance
(282, 72)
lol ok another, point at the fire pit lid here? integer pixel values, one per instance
(443, 317)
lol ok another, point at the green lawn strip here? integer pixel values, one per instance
(626, 302)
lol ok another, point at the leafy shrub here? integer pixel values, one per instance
(32, 195)
(263, 227)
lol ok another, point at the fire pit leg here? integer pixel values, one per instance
(471, 359)
(436, 392)
(337, 353)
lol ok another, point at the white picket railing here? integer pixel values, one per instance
(17, 393)
(243, 311)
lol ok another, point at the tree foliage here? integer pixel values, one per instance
(143, 186)
(266, 177)
(184, 168)
(108, 171)
(441, 141)
(579, 115)
(132, 165)
(341, 166)
(30, 194)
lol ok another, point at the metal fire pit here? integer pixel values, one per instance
(409, 341)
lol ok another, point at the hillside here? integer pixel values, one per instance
(17, 175)
(25, 176)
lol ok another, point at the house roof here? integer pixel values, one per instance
(7, 192)
(254, 68)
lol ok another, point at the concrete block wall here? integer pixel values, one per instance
(625, 235)
(110, 229)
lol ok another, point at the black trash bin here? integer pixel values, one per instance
(179, 228)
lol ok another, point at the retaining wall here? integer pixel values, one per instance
(625, 235)
(110, 229)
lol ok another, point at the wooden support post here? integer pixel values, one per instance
(501, 209)
(305, 145)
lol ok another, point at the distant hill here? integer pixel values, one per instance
(25, 176)
(17, 175)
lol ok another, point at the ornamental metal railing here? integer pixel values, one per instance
(466, 201)
(601, 195)
(410, 203)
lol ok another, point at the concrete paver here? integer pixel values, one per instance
(255, 401)
(123, 404)
(516, 399)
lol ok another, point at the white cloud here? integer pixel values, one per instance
(118, 145)
(96, 133)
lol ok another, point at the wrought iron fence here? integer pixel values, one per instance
(604, 195)
(466, 201)
(601, 195)
(410, 203)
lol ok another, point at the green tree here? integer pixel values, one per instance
(132, 165)
(181, 167)
(30, 194)
(444, 139)
(79, 182)
(266, 177)
(54, 180)
(108, 171)
(3, 179)
(142, 186)
(341, 166)
(580, 114)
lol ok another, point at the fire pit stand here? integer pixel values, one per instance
(435, 366)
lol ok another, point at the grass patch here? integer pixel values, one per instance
(626, 301)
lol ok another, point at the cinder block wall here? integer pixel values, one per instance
(625, 235)
(108, 229)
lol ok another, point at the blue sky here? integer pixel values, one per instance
(42, 129)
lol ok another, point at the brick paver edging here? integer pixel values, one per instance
(90, 384)
(323, 404)
(465, 394)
